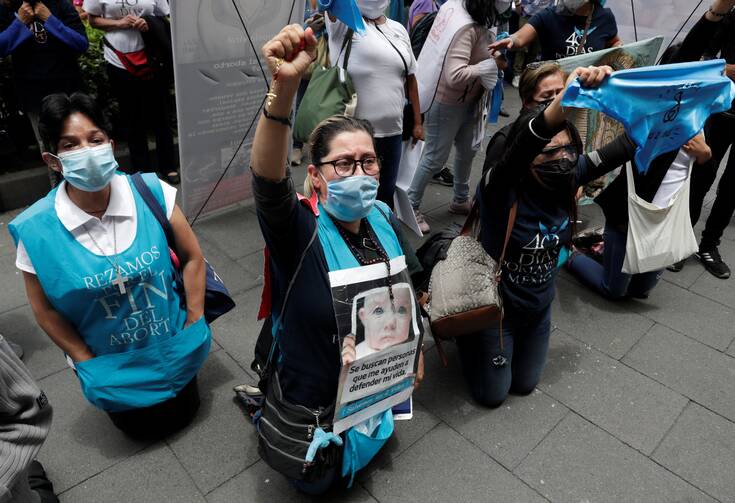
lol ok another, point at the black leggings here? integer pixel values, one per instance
(144, 104)
(160, 419)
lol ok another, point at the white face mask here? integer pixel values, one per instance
(372, 9)
(502, 5)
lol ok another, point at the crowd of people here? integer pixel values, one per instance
(126, 294)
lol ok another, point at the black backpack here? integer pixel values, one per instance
(420, 32)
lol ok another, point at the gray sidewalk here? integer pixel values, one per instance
(637, 402)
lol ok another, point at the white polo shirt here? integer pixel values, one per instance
(121, 211)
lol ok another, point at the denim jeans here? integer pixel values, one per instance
(389, 150)
(445, 125)
(608, 279)
(526, 342)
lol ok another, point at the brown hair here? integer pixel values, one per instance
(325, 132)
(532, 75)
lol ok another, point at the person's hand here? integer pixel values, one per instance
(499, 45)
(730, 71)
(501, 61)
(590, 76)
(290, 53)
(419, 371)
(26, 14)
(41, 12)
(697, 147)
(82, 356)
(417, 133)
(140, 25)
(127, 22)
(349, 353)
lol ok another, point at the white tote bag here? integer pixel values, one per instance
(658, 237)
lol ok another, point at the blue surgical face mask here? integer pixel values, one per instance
(351, 199)
(90, 168)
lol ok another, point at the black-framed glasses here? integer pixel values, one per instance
(568, 151)
(346, 167)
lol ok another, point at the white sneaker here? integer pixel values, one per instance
(421, 220)
(296, 155)
(516, 81)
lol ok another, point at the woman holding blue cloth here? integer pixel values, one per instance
(340, 226)
(100, 278)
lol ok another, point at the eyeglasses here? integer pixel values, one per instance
(567, 151)
(347, 167)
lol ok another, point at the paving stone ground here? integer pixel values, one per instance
(637, 402)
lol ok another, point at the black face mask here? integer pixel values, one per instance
(555, 175)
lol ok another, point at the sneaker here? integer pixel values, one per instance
(444, 177)
(421, 220)
(713, 263)
(296, 156)
(516, 81)
(460, 208)
(677, 266)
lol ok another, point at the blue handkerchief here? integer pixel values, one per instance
(661, 107)
(344, 10)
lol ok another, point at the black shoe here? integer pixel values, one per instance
(40, 484)
(503, 113)
(713, 263)
(678, 266)
(444, 177)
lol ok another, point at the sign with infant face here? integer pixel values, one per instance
(379, 327)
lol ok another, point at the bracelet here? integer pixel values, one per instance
(718, 14)
(283, 120)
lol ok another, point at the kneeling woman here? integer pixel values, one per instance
(100, 279)
(529, 193)
(341, 227)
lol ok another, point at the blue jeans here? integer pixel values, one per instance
(526, 342)
(389, 150)
(608, 279)
(445, 125)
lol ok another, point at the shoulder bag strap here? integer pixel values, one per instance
(284, 304)
(346, 48)
(403, 60)
(508, 232)
(587, 24)
(153, 205)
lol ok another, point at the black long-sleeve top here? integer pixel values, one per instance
(542, 224)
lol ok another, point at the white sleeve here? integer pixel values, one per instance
(93, 7)
(161, 8)
(22, 260)
(169, 195)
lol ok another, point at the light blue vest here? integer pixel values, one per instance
(336, 250)
(143, 355)
(359, 448)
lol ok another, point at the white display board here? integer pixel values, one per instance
(655, 17)
(220, 88)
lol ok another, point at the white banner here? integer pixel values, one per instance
(655, 17)
(219, 90)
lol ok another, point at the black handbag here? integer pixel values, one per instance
(217, 300)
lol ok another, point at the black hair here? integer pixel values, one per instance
(56, 108)
(668, 55)
(482, 12)
(327, 129)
